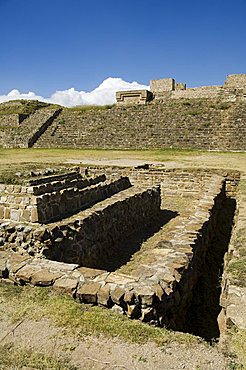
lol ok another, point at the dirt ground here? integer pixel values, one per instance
(103, 353)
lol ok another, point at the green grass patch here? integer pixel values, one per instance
(237, 270)
(24, 106)
(238, 348)
(86, 108)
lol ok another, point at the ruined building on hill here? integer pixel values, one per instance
(170, 115)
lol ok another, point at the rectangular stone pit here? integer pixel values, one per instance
(161, 285)
(95, 232)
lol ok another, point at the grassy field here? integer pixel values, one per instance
(170, 157)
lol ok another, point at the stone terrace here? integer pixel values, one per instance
(179, 123)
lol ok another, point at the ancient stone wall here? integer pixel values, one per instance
(52, 206)
(159, 290)
(235, 81)
(9, 119)
(133, 97)
(174, 123)
(203, 92)
(181, 182)
(25, 134)
(233, 296)
(55, 197)
(105, 225)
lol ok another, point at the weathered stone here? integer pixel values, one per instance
(44, 277)
(129, 297)
(16, 262)
(66, 285)
(89, 272)
(117, 295)
(88, 292)
(133, 97)
(158, 292)
(25, 273)
(122, 279)
(235, 311)
(146, 295)
(118, 309)
(103, 295)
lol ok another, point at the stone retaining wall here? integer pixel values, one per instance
(208, 124)
(49, 200)
(55, 206)
(158, 291)
(233, 296)
(90, 234)
(11, 119)
(182, 182)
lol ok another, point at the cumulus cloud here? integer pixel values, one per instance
(103, 94)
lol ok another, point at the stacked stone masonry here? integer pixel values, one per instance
(160, 287)
(29, 129)
(169, 123)
(170, 116)
(55, 197)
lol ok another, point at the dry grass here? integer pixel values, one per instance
(80, 320)
(17, 358)
(173, 157)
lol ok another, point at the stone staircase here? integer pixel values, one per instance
(193, 123)
(26, 134)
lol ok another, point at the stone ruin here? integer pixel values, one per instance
(106, 236)
(168, 88)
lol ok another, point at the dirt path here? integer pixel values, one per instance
(103, 353)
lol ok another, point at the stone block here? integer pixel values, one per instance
(66, 285)
(26, 215)
(25, 273)
(6, 213)
(235, 81)
(180, 86)
(15, 215)
(117, 295)
(88, 292)
(16, 262)
(1, 211)
(146, 295)
(133, 97)
(162, 85)
(44, 277)
(34, 214)
(103, 295)
(89, 272)
(122, 279)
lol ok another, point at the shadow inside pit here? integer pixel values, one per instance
(201, 317)
(123, 252)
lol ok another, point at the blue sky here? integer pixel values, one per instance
(49, 45)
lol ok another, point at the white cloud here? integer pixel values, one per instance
(103, 94)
